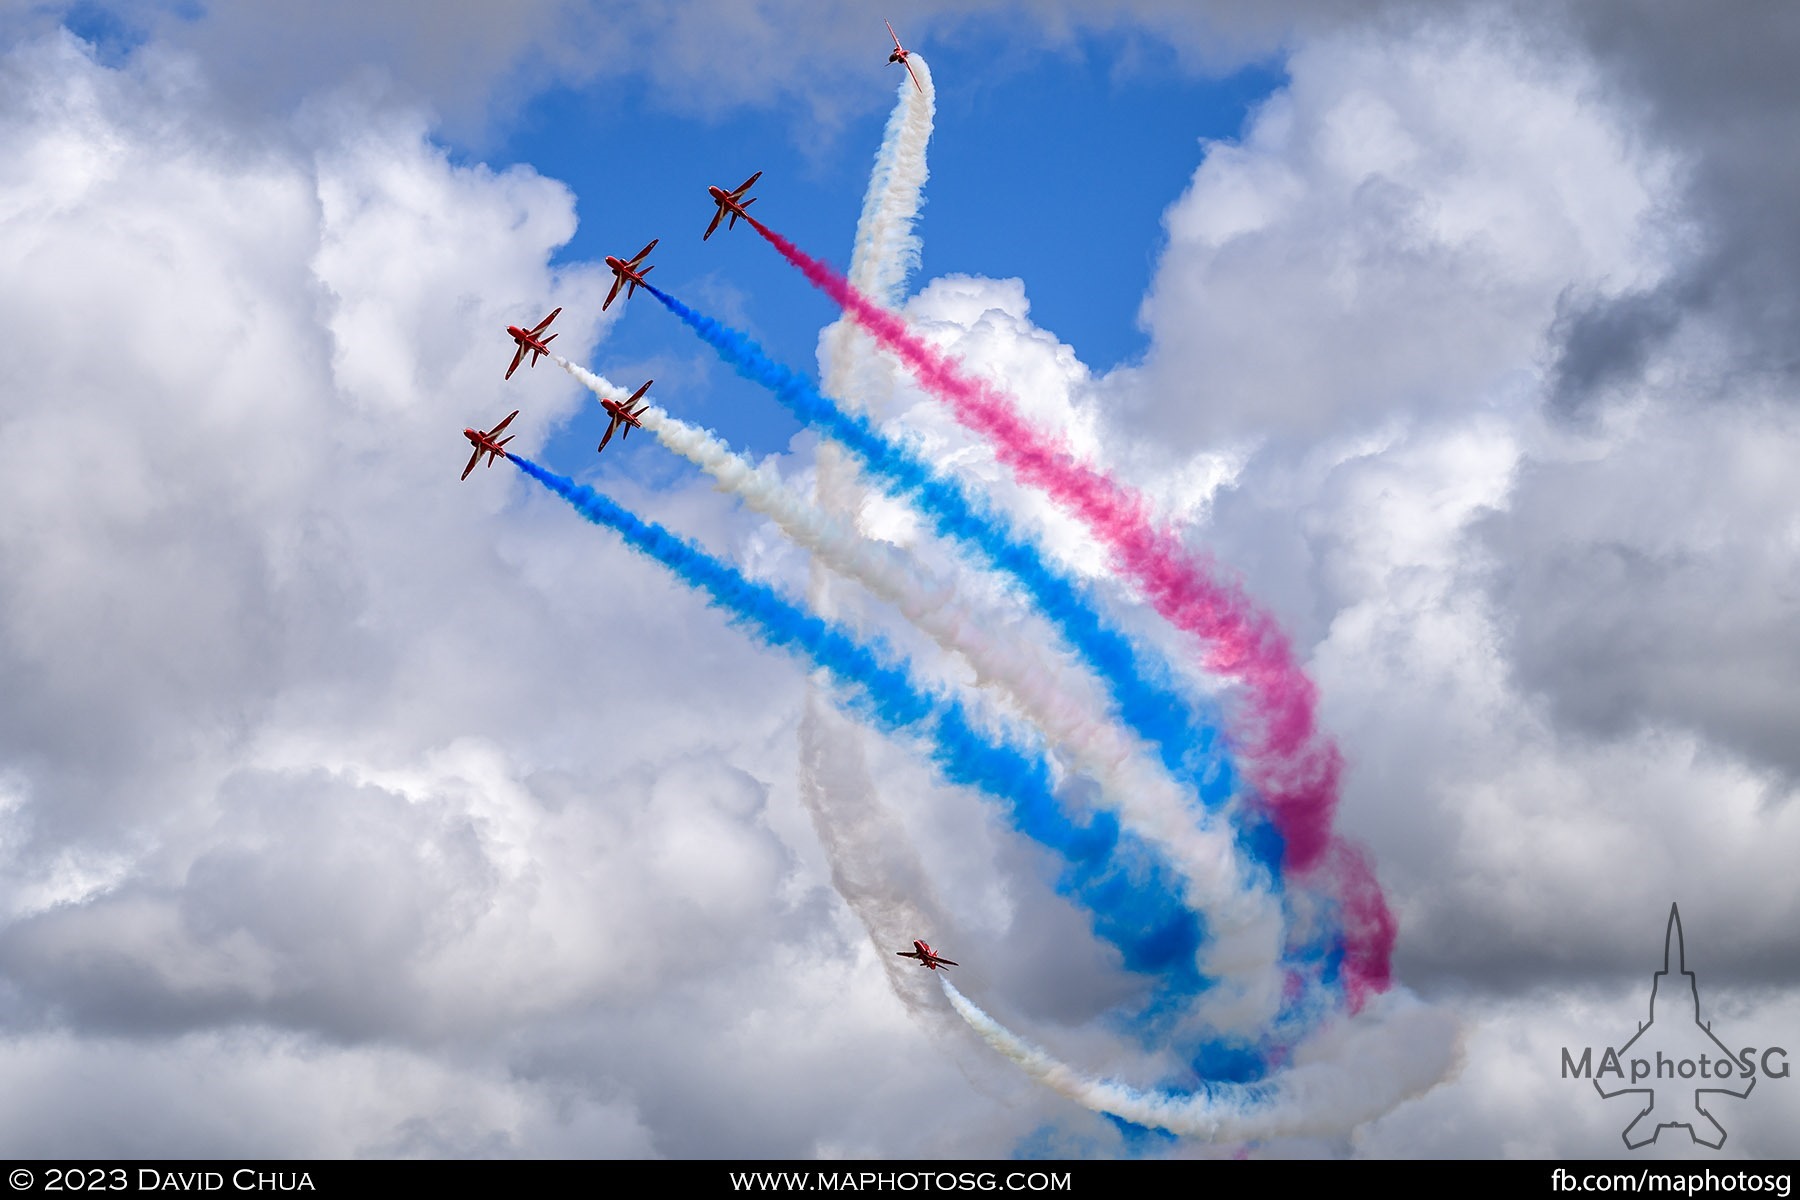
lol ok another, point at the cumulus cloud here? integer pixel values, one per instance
(1559, 654)
(1720, 93)
(1407, 215)
(321, 776)
(316, 757)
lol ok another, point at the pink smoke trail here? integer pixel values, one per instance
(1294, 766)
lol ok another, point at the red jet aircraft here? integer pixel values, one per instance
(628, 270)
(484, 443)
(927, 958)
(533, 340)
(899, 56)
(623, 415)
(732, 202)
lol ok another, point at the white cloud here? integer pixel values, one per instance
(1558, 656)
(326, 772)
(358, 789)
(1393, 233)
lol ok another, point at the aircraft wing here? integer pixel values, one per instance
(495, 431)
(715, 223)
(471, 465)
(545, 323)
(607, 303)
(518, 357)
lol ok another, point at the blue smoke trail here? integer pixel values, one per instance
(1154, 711)
(1130, 892)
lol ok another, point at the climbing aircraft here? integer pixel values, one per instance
(533, 340)
(623, 415)
(484, 443)
(899, 56)
(732, 202)
(627, 270)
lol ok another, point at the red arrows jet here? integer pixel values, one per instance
(927, 958)
(899, 56)
(732, 202)
(484, 443)
(533, 340)
(623, 271)
(623, 415)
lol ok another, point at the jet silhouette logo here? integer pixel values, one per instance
(1678, 1055)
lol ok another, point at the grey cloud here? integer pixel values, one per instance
(408, 819)
(1603, 344)
(468, 60)
(1653, 586)
(1719, 87)
(310, 912)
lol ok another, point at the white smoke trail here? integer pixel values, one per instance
(874, 865)
(885, 252)
(1244, 919)
(1390, 1051)
(1350, 1072)
(886, 249)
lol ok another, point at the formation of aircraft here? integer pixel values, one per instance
(484, 443)
(624, 416)
(928, 958)
(627, 271)
(732, 202)
(899, 55)
(531, 339)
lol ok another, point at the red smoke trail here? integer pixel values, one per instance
(1295, 767)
